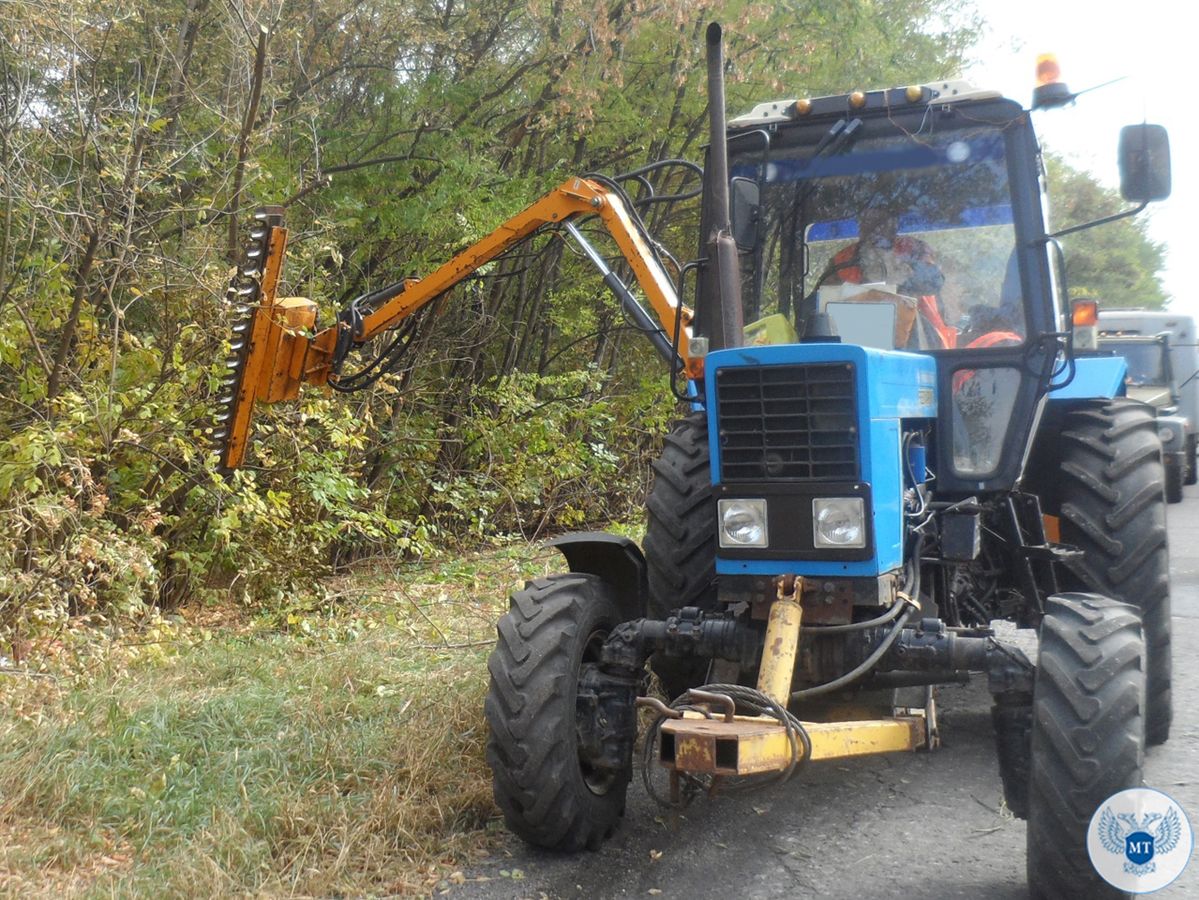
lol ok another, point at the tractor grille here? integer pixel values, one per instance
(787, 423)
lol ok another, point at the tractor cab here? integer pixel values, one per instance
(909, 221)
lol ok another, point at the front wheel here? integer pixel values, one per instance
(550, 793)
(1190, 474)
(1087, 736)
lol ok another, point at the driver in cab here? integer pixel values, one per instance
(883, 255)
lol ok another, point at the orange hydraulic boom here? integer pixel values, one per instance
(276, 346)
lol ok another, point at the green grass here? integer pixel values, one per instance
(338, 752)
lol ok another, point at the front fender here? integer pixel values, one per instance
(1094, 376)
(616, 559)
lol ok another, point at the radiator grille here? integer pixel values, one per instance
(788, 423)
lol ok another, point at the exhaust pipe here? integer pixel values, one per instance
(722, 249)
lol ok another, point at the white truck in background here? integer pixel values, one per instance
(1162, 350)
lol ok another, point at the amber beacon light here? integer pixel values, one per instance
(1050, 91)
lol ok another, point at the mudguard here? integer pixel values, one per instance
(614, 558)
(1094, 376)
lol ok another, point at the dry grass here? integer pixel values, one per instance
(338, 752)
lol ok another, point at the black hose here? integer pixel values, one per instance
(886, 617)
(857, 672)
(910, 603)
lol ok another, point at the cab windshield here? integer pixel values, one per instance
(903, 241)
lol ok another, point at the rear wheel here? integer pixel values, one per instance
(680, 541)
(1087, 736)
(1190, 474)
(549, 792)
(1112, 507)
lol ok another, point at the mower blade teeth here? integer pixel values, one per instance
(245, 295)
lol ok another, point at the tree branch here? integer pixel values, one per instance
(243, 143)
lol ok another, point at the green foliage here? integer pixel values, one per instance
(545, 451)
(1117, 263)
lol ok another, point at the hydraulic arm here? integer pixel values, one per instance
(276, 346)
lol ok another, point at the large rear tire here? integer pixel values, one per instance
(1112, 506)
(680, 541)
(547, 792)
(1087, 736)
(1191, 473)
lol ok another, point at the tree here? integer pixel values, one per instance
(1117, 263)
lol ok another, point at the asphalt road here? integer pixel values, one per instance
(923, 825)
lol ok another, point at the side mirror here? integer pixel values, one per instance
(744, 214)
(1144, 163)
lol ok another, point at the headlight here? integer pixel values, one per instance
(839, 522)
(742, 523)
(1166, 433)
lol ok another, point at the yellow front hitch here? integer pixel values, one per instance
(730, 745)
(753, 745)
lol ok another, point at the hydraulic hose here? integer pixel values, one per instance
(910, 603)
(886, 617)
(870, 662)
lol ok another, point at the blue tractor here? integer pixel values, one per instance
(891, 451)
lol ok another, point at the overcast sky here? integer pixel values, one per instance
(1147, 43)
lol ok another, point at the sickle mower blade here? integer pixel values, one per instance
(250, 297)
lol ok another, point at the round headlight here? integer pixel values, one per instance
(1166, 433)
(742, 523)
(839, 522)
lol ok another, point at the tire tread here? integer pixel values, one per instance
(531, 745)
(1087, 740)
(1112, 506)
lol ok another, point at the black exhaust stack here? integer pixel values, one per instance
(726, 329)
